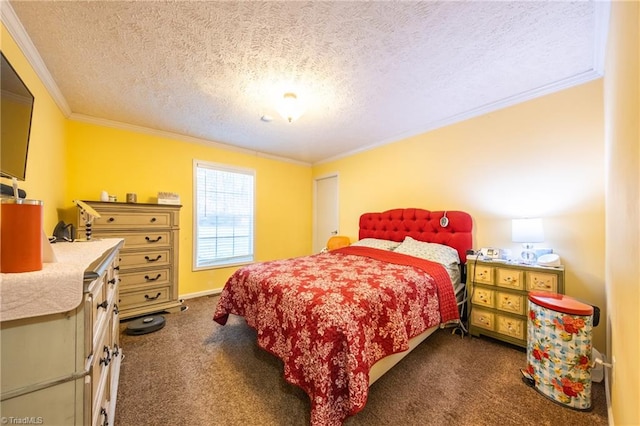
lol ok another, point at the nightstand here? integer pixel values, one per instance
(498, 297)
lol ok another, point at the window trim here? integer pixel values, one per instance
(222, 167)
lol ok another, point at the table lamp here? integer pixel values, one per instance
(88, 214)
(527, 232)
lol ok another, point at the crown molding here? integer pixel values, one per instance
(601, 34)
(19, 34)
(567, 83)
(22, 39)
(180, 137)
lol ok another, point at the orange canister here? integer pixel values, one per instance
(21, 235)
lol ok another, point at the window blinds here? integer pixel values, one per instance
(224, 215)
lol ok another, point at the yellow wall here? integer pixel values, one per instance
(622, 121)
(539, 158)
(46, 165)
(545, 157)
(121, 161)
(74, 160)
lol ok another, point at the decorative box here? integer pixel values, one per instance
(168, 198)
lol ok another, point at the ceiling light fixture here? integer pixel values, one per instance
(290, 108)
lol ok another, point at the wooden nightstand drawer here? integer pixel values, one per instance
(482, 274)
(483, 319)
(149, 296)
(99, 313)
(510, 278)
(100, 368)
(111, 285)
(512, 327)
(114, 219)
(542, 281)
(136, 240)
(153, 277)
(511, 302)
(148, 258)
(483, 297)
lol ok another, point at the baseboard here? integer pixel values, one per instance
(201, 293)
(607, 393)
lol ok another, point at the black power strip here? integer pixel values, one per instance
(8, 190)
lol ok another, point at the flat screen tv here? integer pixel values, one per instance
(16, 109)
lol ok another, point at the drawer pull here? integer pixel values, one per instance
(112, 281)
(116, 310)
(146, 296)
(148, 259)
(116, 268)
(153, 241)
(103, 412)
(148, 278)
(112, 219)
(103, 305)
(153, 219)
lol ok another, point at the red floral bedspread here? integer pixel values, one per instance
(331, 316)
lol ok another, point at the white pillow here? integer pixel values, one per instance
(444, 255)
(377, 243)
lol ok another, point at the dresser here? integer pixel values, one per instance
(498, 297)
(149, 258)
(60, 338)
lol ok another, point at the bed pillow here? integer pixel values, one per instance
(439, 253)
(377, 243)
(444, 255)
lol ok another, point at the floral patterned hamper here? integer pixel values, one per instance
(559, 348)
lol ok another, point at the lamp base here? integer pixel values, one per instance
(528, 255)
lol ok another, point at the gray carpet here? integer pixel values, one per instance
(196, 372)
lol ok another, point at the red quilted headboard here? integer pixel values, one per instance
(419, 224)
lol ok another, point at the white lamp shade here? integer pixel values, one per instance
(527, 231)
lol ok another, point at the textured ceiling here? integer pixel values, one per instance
(368, 72)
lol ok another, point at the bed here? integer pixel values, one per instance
(340, 319)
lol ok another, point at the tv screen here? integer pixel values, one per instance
(16, 109)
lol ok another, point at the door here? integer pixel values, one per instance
(326, 211)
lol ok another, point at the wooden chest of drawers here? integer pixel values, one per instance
(62, 368)
(499, 297)
(149, 258)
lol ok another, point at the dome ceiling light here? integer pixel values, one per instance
(290, 107)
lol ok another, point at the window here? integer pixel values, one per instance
(223, 215)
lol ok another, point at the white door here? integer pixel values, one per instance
(326, 211)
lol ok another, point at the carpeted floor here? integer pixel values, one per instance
(196, 372)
